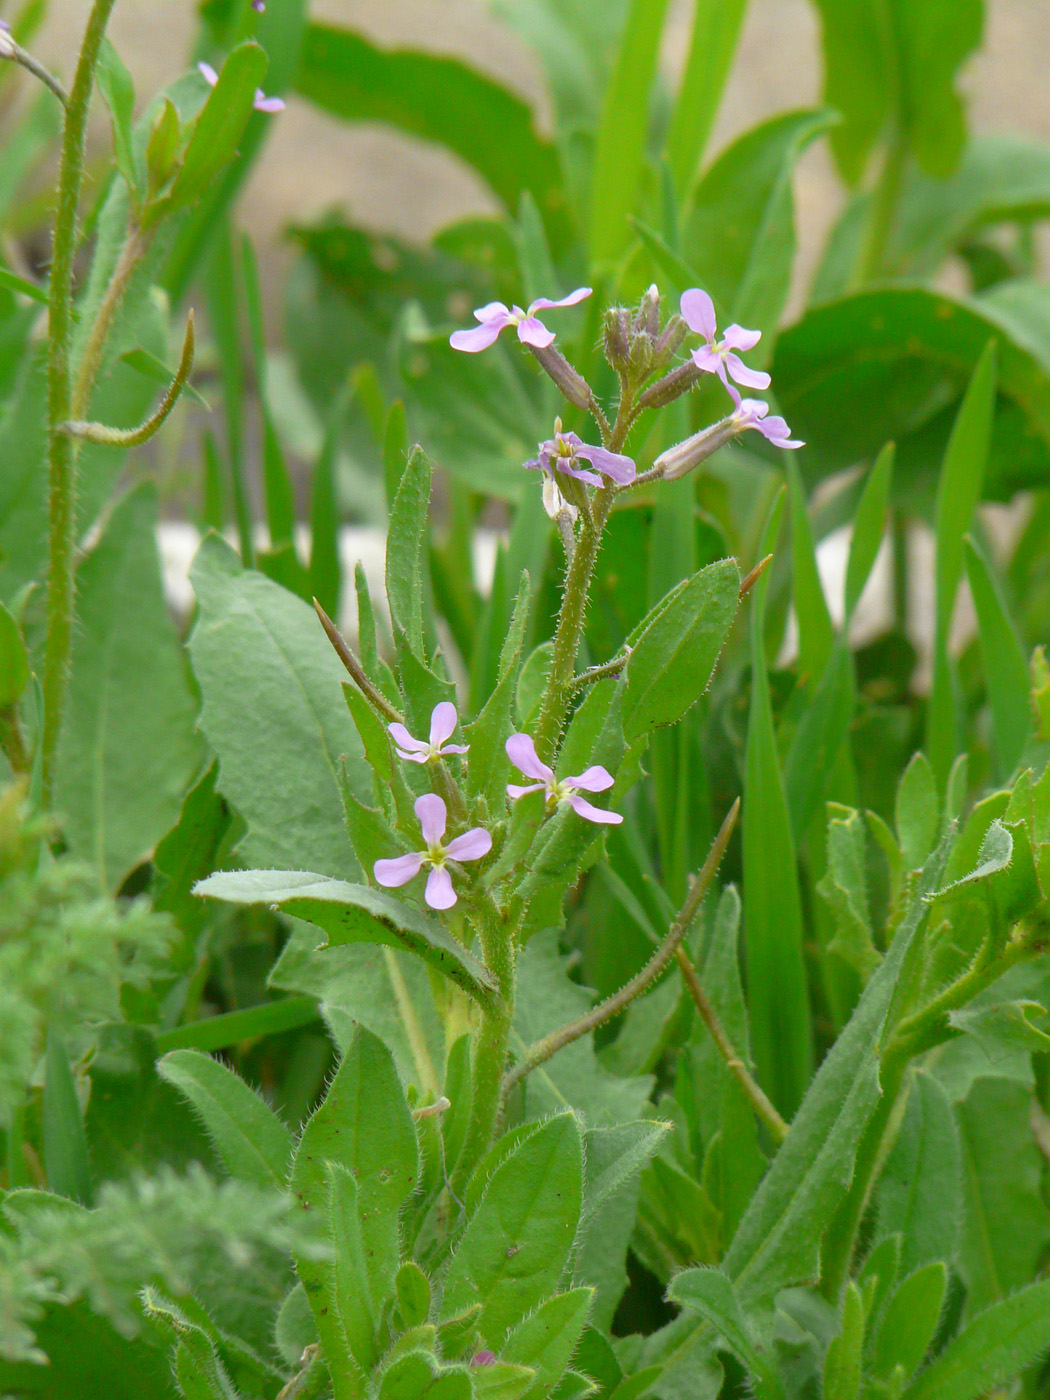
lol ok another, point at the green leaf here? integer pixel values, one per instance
(487, 765)
(127, 750)
(213, 1033)
(254, 1144)
(532, 682)
(958, 492)
(918, 812)
(620, 144)
(1006, 1225)
(413, 1294)
(355, 1165)
(14, 660)
(676, 651)
(353, 914)
(216, 132)
(778, 1000)
(842, 1365)
(740, 237)
(438, 99)
(13, 283)
(822, 730)
(869, 526)
(994, 1348)
(117, 87)
(1003, 661)
(406, 543)
(547, 1340)
(816, 633)
(910, 1321)
(716, 31)
(516, 1244)
(271, 687)
(198, 1370)
(709, 1293)
(613, 1156)
(845, 888)
(62, 1127)
(920, 1192)
(777, 1242)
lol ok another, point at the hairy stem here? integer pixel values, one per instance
(542, 1050)
(134, 250)
(61, 448)
(17, 54)
(374, 696)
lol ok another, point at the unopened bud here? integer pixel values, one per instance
(671, 386)
(618, 338)
(679, 460)
(674, 333)
(573, 385)
(647, 321)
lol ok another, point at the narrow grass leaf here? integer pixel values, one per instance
(1002, 659)
(716, 31)
(869, 525)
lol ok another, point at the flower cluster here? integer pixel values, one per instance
(432, 814)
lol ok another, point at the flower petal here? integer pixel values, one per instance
(472, 845)
(443, 721)
(737, 338)
(403, 738)
(411, 757)
(208, 73)
(753, 378)
(580, 473)
(611, 464)
(439, 893)
(398, 871)
(522, 753)
(515, 790)
(710, 361)
(263, 103)
(544, 303)
(494, 311)
(432, 818)
(533, 332)
(454, 748)
(698, 312)
(593, 814)
(593, 779)
(778, 432)
(478, 337)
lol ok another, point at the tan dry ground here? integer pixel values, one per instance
(393, 184)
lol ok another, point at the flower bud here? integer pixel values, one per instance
(647, 321)
(671, 387)
(679, 460)
(573, 385)
(618, 338)
(674, 333)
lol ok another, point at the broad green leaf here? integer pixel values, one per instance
(117, 87)
(777, 1242)
(842, 1365)
(910, 1321)
(353, 914)
(958, 492)
(405, 546)
(438, 99)
(62, 1127)
(547, 1340)
(848, 381)
(1005, 1223)
(501, 1381)
(918, 812)
(613, 1156)
(620, 143)
(1003, 661)
(869, 526)
(845, 888)
(1002, 1028)
(216, 133)
(517, 1242)
(920, 1191)
(413, 1294)
(709, 1293)
(739, 241)
(14, 660)
(715, 33)
(679, 644)
(274, 714)
(127, 750)
(254, 1144)
(778, 999)
(355, 1164)
(991, 1350)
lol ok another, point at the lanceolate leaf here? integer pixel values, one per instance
(1003, 661)
(353, 914)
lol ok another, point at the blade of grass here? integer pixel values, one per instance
(1005, 668)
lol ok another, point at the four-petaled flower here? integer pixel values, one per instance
(262, 103)
(472, 845)
(494, 316)
(522, 753)
(565, 451)
(717, 356)
(752, 413)
(443, 722)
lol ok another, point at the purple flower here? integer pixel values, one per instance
(522, 753)
(494, 316)
(262, 103)
(483, 1358)
(443, 721)
(258, 6)
(751, 413)
(472, 845)
(565, 451)
(716, 356)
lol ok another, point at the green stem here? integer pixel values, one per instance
(61, 448)
(884, 207)
(134, 250)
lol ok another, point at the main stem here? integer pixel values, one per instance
(62, 449)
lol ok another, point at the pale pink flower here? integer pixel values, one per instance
(752, 413)
(522, 753)
(717, 356)
(565, 451)
(472, 845)
(495, 316)
(443, 721)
